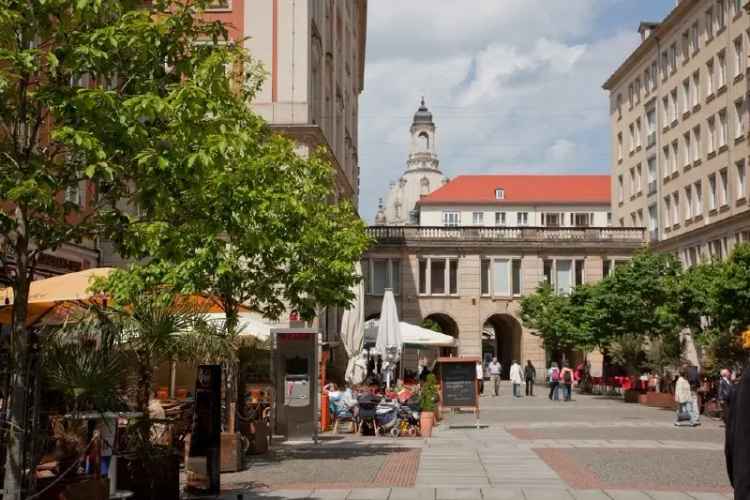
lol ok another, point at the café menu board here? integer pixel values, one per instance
(458, 380)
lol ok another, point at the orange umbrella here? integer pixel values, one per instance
(53, 300)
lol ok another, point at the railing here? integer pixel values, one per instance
(397, 234)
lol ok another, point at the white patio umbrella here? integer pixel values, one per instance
(353, 334)
(389, 343)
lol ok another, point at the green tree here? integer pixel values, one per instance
(554, 318)
(639, 299)
(82, 92)
(714, 298)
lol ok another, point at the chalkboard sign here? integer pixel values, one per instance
(458, 381)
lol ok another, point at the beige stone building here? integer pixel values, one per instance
(678, 107)
(469, 278)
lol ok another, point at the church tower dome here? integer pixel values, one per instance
(421, 177)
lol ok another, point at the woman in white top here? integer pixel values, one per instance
(683, 396)
(480, 377)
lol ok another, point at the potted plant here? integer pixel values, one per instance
(427, 400)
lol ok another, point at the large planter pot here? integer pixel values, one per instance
(426, 419)
(631, 396)
(660, 400)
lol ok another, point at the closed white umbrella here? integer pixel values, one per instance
(353, 335)
(389, 343)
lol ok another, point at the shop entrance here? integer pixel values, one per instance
(501, 335)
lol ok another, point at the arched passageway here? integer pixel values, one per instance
(444, 324)
(501, 337)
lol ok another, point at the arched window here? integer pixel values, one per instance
(423, 141)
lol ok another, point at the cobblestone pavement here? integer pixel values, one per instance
(532, 448)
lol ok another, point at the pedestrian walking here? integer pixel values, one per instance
(566, 377)
(684, 398)
(725, 390)
(693, 378)
(554, 382)
(529, 374)
(495, 371)
(516, 378)
(737, 441)
(480, 377)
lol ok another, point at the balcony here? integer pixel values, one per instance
(402, 234)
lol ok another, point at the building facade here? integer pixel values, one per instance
(678, 108)
(421, 177)
(484, 242)
(314, 54)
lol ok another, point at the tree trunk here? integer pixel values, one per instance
(19, 359)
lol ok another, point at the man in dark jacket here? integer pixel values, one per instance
(529, 375)
(737, 443)
(725, 392)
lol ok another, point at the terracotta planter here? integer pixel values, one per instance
(425, 423)
(660, 400)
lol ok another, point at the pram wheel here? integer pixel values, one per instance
(395, 432)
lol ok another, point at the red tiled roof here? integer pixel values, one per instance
(523, 189)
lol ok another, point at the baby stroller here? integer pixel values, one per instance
(341, 412)
(409, 417)
(387, 418)
(367, 410)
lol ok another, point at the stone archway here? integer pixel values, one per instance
(447, 325)
(507, 333)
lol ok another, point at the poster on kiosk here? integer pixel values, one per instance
(295, 376)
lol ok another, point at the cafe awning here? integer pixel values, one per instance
(53, 300)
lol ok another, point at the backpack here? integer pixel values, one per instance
(567, 378)
(555, 375)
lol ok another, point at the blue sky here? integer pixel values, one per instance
(514, 85)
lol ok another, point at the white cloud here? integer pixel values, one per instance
(514, 86)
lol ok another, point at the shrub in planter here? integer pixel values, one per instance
(428, 403)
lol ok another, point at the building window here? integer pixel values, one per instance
(551, 219)
(723, 188)
(632, 138)
(675, 154)
(712, 196)
(697, 143)
(606, 267)
(698, 199)
(694, 38)
(499, 194)
(665, 154)
(637, 90)
(674, 105)
(632, 181)
(563, 276)
(438, 276)
(676, 207)
(689, 202)
(686, 95)
(477, 218)
(638, 178)
(667, 211)
(504, 274)
(581, 219)
(638, 133)
(522, 219)
(685, 46)
(712, 140)
(710, 77)
(739, 115)
(654, 75)
(451, 219)
(695, 91)
(715, 249)
(741, 180)
(688, 150)
(631, 97)
(652, 223)
(739, 57)
(651, 127)
(619, 146)
(721, 15)
(620, 189)
(723, 128)
(652, 175)
(709, 28)
(380, 274)
(673, 58)
(499, 218)
(665, 111)
(722, 70)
